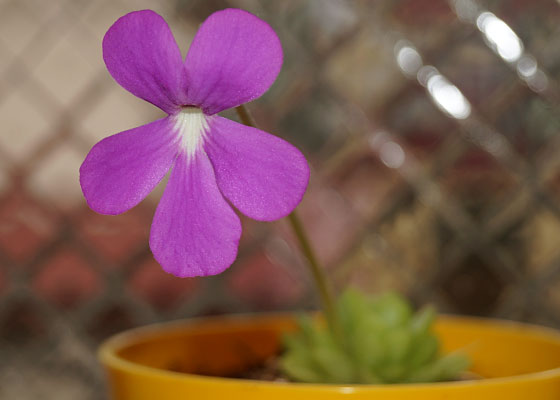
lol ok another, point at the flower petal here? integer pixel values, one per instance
(194, 232)
(121, 170)
(142, 56)
(233, 59)
(262, 175)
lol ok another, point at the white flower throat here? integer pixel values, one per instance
(191, 126)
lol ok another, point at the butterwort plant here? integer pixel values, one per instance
(234, 58)
(213, 163)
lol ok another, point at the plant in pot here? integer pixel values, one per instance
(358, 347)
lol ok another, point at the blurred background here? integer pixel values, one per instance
(432, 128)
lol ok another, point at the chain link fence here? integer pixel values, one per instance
(432, 128)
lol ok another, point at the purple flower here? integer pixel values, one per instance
(214, 162)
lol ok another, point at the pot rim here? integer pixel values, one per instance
(108, 356)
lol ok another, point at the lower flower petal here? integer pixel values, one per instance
(121, 170)
(194, 232)
(262, 175)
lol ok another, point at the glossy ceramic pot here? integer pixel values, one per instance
(171, 361)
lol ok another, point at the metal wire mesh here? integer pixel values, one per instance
(459, 211)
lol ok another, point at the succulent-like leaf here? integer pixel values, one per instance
(382, 341)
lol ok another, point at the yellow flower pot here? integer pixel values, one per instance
(161, 362)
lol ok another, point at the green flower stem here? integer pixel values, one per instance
(317, 272)
(319, 278)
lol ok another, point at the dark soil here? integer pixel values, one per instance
(270, 371)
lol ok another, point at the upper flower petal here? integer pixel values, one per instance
(142, 56)
(194, 232)
(262, 175)
(233, 59)
(121, 170)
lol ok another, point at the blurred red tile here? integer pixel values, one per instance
(253, 231)
(162, 290)
(24, 226)
(422, 12)
(330, 221)
(3, 281)
(366, 187)
(478, 180)
(553, 185)
(115, 237)
(23, 323)
(114, 318)
(264, 284)
(66, 279)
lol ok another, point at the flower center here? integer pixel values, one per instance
(190, 126)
